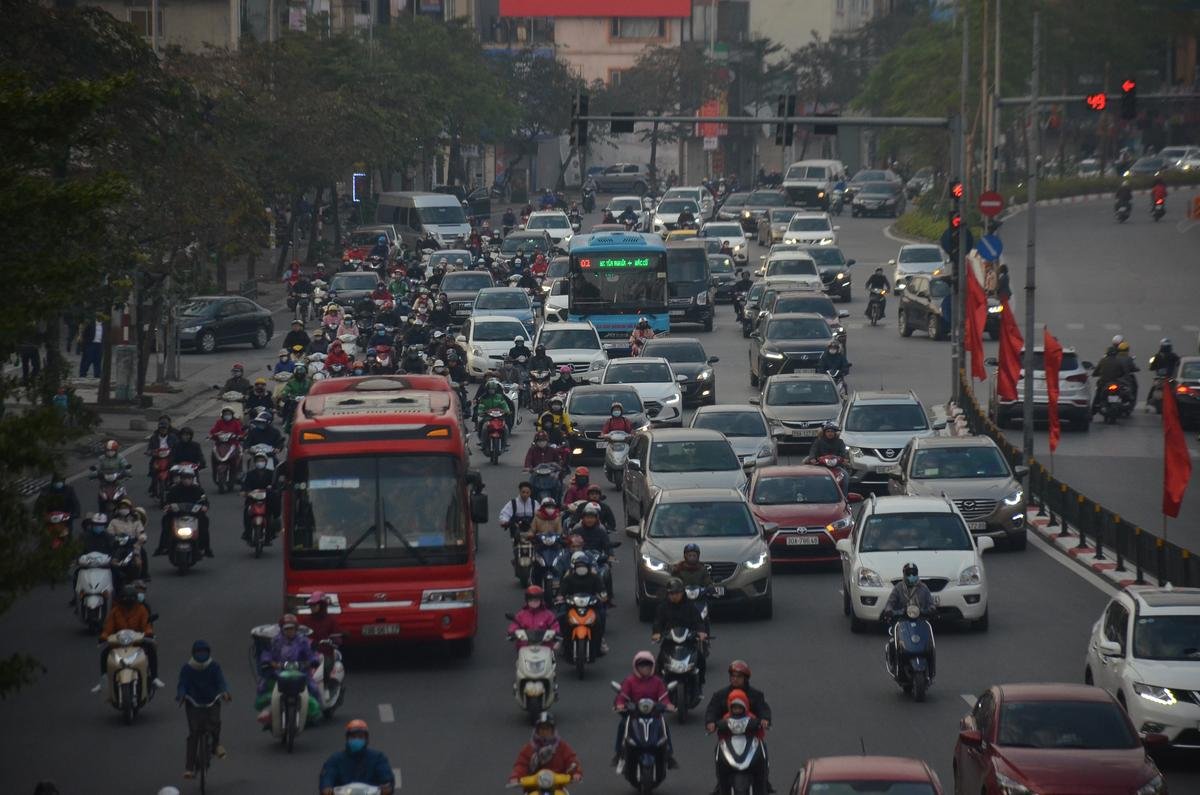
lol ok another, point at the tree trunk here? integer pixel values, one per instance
(314, 227)
(281, 265)
(251, 263)
(653, 166)
(335, 209)
(222, 272)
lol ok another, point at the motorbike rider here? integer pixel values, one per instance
(518, 512)
(228, 423)
(739, 680)
(828, 443)
(833, 361)
(563, 382)
(188, 451)
(492, 398)
(201, 683)
(263, 432)
(289, 646)
(130, 521)
(508, 220)
(324, 625)
(237, 381)
(163, 438)
(1116, 366)
(639, 336)
(909, 591)
(617, 421)
(1158, 190)
(111, 461)
(690, 571)
(518, 349)
(737, 705)
(319, 344)
(257, 478)
(297, 336)
(95, 538)
(380, 249)
(686, 218)
(540, 359)
(579, 485)
(581, 578)
(357, 764)
(878, 281)
(296, 387)
(547, 520)
(58, 496)
(740, 288)
(542, 452)
(128, 613)
(676, 611)
(591, 530)
(336, 355)
(455, 369)
(535, 616)
(642, 683)
(439, 316)
(628, 217)
(595, 494)
(1165, 361)
(187, 490)
(554, 432)
(1124, 196)
(545, 751)
(284, 364)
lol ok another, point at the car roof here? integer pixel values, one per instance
(1154, 599)
(500, 288)
(884, 397)
(792, 471)
(799, 377)
(506, 319)
(696, 495)
(921, 245)
(810, 215)
(871, 768)
(1052, 691)
(727, 408)
(632, 360)
(798, 316)
(885, 505)
(1040, 349)
(568, 325)
(547, 212)
(952, 441)
(660, 341)
(685, 435)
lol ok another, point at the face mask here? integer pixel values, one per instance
(912, 579)
(110, 453)
(201, 656)
(551, 512)
(580, 480)
(355, 744)
(227, 417)
(260, 464)
(142, 598)
(123, 512)
(617, 413)
(581, 570)
(97, 529)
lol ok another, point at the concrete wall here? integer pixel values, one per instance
(191, 25)
(586, 44)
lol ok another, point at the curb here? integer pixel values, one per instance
(1013, 209)
(1066, 542)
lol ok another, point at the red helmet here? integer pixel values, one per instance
(357, 726)
(316, 598)
(582, 471)
(740, 667)
(288, 620)
(534, 591)
(736, 695)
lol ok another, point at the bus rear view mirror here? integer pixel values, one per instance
(479, 508)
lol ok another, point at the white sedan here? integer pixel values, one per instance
(811, 229)
(489, 338)
(731, 233)
(656, 384)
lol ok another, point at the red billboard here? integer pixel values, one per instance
(677, 9)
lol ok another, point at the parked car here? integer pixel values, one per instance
(589, 406)
(927, 531)
(688, 359)
(623, 177)
(656, 384)
(877, 775)
(810, 511)
(744, 426)
(797, 406)
(1075, 389)
(972, 472)
(206, 322)
(665, 458)
(734, 550)
(876, 427)
(489, 338)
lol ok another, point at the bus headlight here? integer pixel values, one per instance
(448, 599)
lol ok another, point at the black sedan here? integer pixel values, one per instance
(788, 343)
(834, 269)
(687, 358)
(878, 198)
(720, 268)
(207, 322)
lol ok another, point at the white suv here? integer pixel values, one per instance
(811, 229)
(554, 223)
(655, 382)
(574, 344)
(1145, 650)
(927, 531)
(876, 427)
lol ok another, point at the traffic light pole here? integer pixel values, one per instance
(1031, 166)
(958, 315)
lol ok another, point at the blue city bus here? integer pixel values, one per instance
(616, 278)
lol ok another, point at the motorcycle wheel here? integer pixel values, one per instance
(646, 779)
(534, 707)
(920, 682)
(258, 543)
(127, 706)
(580, 657)
(494, 452)
(684, 702)
(289, 727)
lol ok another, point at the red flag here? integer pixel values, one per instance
(973, 323)
(1177, 462)
(1011, 343)
(1052, 357)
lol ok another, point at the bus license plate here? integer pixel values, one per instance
(802, 541)
(381, 629)
(601, 444)
(977, 525)
(676, 313)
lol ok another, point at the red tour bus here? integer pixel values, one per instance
(380, 510)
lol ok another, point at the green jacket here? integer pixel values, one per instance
(697, 576)
(495, 401)
(295, 388)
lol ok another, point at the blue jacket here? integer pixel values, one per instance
(368, 766)
(202, 684)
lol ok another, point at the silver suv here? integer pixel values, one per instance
(876, 427)
(1075, 388)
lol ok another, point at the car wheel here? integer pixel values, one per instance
(206, 342)
(981, 624)
(708, 323)
(261, 338)
(1018, 541)
(753, 377)
(934, 328)
(905, 329)
(847, 609)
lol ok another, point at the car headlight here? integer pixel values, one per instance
(772, 355)
(868, 578)
(971, 575)
(1010, 786)
(672, 400)
(1155, 786)
(995, 310)
(599, 364)
(476, 351)
(746, 214)
(757, 562)
(766, 451)
(826, 241)
(1014, 498)
(841, 524)
(653, 563)
(702, 298)
(854, 451)
(704, 375)
(1159, 695)
(738, 247)
(190, 329)
(841, 275)
(899, 284)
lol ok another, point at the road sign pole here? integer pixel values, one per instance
(1031, 166)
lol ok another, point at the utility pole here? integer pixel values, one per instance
(994, 147)
(960, 284)
(985, 106)
(1031, 166)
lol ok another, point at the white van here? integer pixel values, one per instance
(415, 214)
(809, 183)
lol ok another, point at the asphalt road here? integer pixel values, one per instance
(452, 726)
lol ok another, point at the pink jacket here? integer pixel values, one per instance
(526, 619)
(634, 689)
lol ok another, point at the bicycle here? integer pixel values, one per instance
(204, 747)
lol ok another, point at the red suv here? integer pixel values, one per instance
(1052, 738)
(804, 511)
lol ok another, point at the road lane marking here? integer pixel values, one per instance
(1112, 326)
(396, 773)
(1191, 328)
(970, 699)
(1075, 326)
(1152, 327)
(1085, 574)
(386, 713)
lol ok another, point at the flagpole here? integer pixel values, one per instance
(1031, 166)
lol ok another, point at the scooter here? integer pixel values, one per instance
(546, 482)
(616, 453)
(125, 561)
(93, 589)
(128, 673)
(185, 534)
(539, 390)
(582, 615)
(876, 304)
(289, 709)
(837, 467)
(512, 392)
(330, 676)
(385, 357)
(680, 665)
(643, 760)
(522, 559)
(740, 756)
(536, 684)
(910, 653)
(550, 562)
(259, 520)
(226, 461)
(543, 782)
(1122, 211)
(160, 479)
(1158, 209)
(494, 428)
(1113, 401)
(58, 527)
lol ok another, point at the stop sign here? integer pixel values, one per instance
(991, 203)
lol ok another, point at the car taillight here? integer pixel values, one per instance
(1112, 387)
(1183, 389)
(1078, 378)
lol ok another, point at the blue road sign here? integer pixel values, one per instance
(990, 247)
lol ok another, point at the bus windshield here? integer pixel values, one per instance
(616, 280)
(377, 511)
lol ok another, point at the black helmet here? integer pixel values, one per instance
(675, 585)
(129, 594)
(692, 548)
(186, 433)
(910, 569)
(544, 719)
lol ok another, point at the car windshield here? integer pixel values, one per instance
(756, 291)
(881, 188)
(454, 282)
(805, 303)
(686, 264)
(767, 198)
(789, 490)
(801, 393)
(353, 281)
(637, 373)
(869, 176)
(718, 263)
(781, 216)
(870, 787)
(509, 299)
(732, 423)
(1148, 164)
(791, 267)
(722, 230)
(735, 200)
(445, 214)
(530, 244)
(928, 254)
(1094, 725)
(375, 511)
(673, 206)
(1189, 371)
(805, 172)
(939, 288)
(1167, 637)
(798, 328)
(548, 222)
(895, 532)
(1172, 152)
(809, 225)
(492, 331)
(676, 352)
(362, 239)
(559, 339)
(700, 456)
(958, 462)
(879, 418)
(600, 403)
(202, 306)
(701, 520)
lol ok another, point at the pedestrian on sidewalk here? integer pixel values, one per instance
(30, 351)
(91, 339)
(71, 318)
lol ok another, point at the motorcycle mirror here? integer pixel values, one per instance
(984, 543)
(511, 617)
(633, 530)
(672, 685)
(616, 686)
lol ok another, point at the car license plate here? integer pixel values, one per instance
(718, 590)
(807, 432)
(600, 445)
(381, 629)
(676, 313)
(803, 541)
(1114, 398)
(977, 525)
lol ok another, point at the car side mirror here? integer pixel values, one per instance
(837, 228)
(1110, 648)
(754, 401)
(714, 359)
(984, 543)
(681, 378)
(854, 497)
(850, 262)
(1088, 365)
(769, 527)
(1020, 471)
(754, 335)
(633, 530)
(891, 262)
(479, 508)
(843, 313)
(843, 546)
(633, 464)
(970, 738)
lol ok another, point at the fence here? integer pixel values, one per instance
(1103, 533)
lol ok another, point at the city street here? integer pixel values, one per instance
(452, 725)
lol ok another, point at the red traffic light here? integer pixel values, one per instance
(1097, 101)
(1128, 86)
(956, 221)
(956, 189)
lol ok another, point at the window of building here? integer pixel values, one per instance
(638, 28)
(841, 8)
(614, 77)
(139, 18)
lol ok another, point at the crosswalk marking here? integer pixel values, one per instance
(1075, 326)
(1152, 327)
(1112, 326)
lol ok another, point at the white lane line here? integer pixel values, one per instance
(1112, 326)
(1075, 326)
(386, 713)
(1060, 556)
(1152, 327)
(1191, 328)
(396, 773)
(970, 699)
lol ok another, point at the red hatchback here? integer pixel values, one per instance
(866, 775)
(1059, 739)
(804, 510)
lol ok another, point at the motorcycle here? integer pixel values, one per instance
(1158, 209)
(125, 560)
(160, 480)
(698, 596)
(539, 390)
(550, 562)
(512, 392)
(536, 684)
(289, 708)
(1122, 212)
(602, 564)
(643, 761)
(680, 665)
(589, 200)
(226, 461)
(837, 467)
(1113, 399)
(615, 454)
(547, 481)
(301, 303)
(320, 292)
(185, 534)
(876, 305)
(385, 356)
(741, 757)
(909, 654)
(58, 527)
(256, 508)
(543, 782)
(112, 488)
(494, 429)
(582, 615)
(128, 673)
(93, 589)
(266, 450)
(330, 676)
(837, 201)
(522, 559)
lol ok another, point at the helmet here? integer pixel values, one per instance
(1165, 343)
(288, 620)
(737, 696)
(1117, 339)
(564, 369)
(675, 585)
(557, 399)
(692, 548)
(129, 593)
(591, 509)
(1123, 346)
(518, 340)
(543, 719)
(579, 557)
(357, 726)
(831, 426)
(200, 645)
(300, 369)
(642, 657)
(112, 445)
(582, 471)
(540, 348)
(260, 381)
(316, 598)
(534, 591)
(540, 436)
(237, 367)
(298, 322)
(910, 569)
(548, 502)
(227, 408)
(283, 351)
(740, 667)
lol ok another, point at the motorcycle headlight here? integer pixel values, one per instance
(183, 531)
(1155, 786)
(757, 562)
(1014, 498)
(995, 310)
(1010, 786)
(1159, 695)
(745, 214)
(653, 563)
(841, 275)
(969, 576)
(868, 578)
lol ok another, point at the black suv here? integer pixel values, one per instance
(788, 343)
(921, 306)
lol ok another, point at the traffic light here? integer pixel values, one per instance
(579, 129)
(956, 196)
(786, 106)
(1129, 100)
(955, 191)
